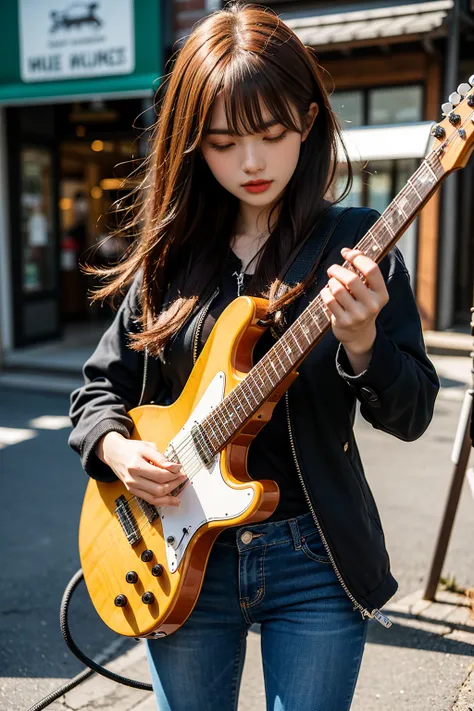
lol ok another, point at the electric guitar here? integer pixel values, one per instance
(144, 565)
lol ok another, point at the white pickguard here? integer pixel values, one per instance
(206, 497)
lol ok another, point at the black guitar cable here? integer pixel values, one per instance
(93, 666)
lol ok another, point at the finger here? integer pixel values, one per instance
(367, 267)
(350, 280)
(336, 310)
(159, 460)
(155, 473)
(343, 297)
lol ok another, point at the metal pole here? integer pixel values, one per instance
(461, 452)
(462, 448)
(449, 202)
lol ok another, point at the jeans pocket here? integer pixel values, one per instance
(313, 548)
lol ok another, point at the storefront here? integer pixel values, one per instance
(76, 85)
(386, 69)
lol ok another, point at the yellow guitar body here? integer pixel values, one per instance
(107, 555)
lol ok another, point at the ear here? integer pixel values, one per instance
(309, 119)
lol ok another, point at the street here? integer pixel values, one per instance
(43, 485)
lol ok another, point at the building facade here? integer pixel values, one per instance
(75, 78)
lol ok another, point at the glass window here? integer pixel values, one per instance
(379, 184)
(36, 223)
(400, 104)
(349, 107)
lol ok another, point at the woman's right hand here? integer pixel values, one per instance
(143, 470)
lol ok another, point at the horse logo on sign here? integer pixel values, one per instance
(77, 15)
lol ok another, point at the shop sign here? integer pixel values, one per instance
(60, 39)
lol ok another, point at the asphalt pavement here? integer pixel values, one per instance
(422, 663)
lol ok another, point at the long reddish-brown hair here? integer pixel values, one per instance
(183, 218)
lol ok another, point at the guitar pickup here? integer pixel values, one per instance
(127, 520)
(202, 446)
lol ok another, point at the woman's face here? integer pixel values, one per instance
(271, 156)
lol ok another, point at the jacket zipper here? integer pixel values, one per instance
(200, 323)
(385, 621)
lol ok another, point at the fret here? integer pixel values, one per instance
(255, 384)
(245, 385)
(387, 224)
(266, 372)
(274, 367)
(431, 170)
(397, 216)
(314, 316)
(241, 388)
(401, 204)
(297, 325)
(256, 371)
(237, 407)
(414, 188)
(229, 415)
(372, 246)
(425, 178)
(210, 433)
(276, 348)
(305, 329)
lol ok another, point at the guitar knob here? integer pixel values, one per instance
(120, 601)
(446, 108)
(455, 98)
(438, 132)
(131, 577)
(157, 570)
(146, 556)
(148, 598)
(471, 80)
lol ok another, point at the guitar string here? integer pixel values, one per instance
(188, 448)
(316, 310)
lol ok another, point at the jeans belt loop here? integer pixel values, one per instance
(295, 533)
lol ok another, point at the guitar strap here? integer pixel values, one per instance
(309, 256)
(312, 249)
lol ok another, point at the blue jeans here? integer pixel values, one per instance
(276, 574)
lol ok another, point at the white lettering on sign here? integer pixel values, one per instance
(64, 39)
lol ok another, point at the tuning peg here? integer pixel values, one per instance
(471, 80)
(454, 98)
(446, 108)
(464, 89)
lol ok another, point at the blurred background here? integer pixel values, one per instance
(75, 77)
(77, 86)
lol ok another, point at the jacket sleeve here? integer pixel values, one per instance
(112, 385)
(398, 389)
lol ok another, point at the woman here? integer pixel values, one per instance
(245, 103)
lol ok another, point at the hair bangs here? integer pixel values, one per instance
(248, 87)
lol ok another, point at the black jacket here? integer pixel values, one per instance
(397, 392)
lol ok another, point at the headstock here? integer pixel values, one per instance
(455, 134)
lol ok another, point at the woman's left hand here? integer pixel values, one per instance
(354, 305)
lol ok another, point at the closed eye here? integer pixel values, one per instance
(274, 139)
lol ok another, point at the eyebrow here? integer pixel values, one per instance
(226, 132)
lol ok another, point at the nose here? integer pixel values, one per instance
(252, 161)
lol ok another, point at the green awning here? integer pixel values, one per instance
(142, 81)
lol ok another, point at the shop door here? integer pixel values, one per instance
(33, 227)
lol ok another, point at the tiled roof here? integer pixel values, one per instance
(320, 30)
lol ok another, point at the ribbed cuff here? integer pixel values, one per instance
(382, 371)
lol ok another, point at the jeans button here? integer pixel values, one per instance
(246, 537)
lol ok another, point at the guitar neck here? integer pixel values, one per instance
(220, 426)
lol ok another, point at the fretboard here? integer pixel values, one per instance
(221, 425)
